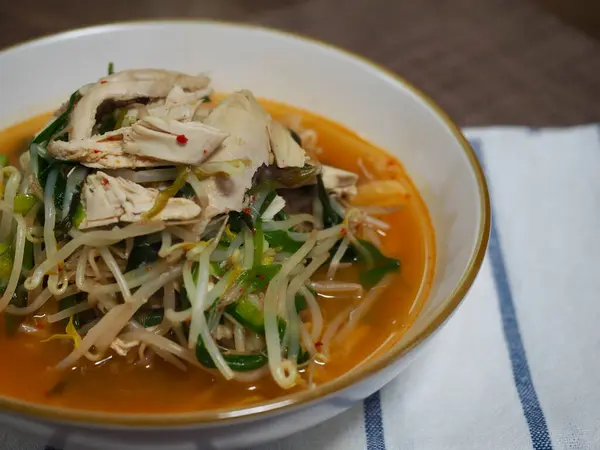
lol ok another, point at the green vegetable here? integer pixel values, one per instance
(281, 215)
(295, 137)
(184, 301)
(259, 243)
(330, 216)
(237, 219)
(59, 124)
(24, 203)
(164, 195)
(273, 177)
(6, 264)
(303, 357)
(186, 191)
(282, 241)
(142, 255)
(75, 215)
(3, 160)
(206, 99)
(301, 301)
(247, 314)
(79, 215)
(111, 68)
(112, 120)
(28, 256)
(150, 317)
(237, 362)
(382, 265)
(257, 278)
(250, 316)
(217, 270)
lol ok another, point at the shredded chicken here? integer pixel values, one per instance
(170, 140)
(126, 86)
(244, 119)
(286, 150)
(108, 200)
(341, 182)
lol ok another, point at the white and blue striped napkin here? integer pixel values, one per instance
(517, 367)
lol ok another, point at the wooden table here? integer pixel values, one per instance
(484, 61)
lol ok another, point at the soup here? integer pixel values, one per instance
(323, 265)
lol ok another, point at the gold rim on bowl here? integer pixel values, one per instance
(284, 403)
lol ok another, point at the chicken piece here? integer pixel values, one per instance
(101, 152)
(179, 105)
(246, 121)
(127, 86)
(340, 182)
(170, 140)
(286, 150)
(108, 200)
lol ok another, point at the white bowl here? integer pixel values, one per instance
(385, 109)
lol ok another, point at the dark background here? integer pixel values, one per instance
(484, 61)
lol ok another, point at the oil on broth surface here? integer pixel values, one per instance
(118, 386)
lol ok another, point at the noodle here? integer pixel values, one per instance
(357, 313)
(337, 257)
(68, 312)
(10, 191)
(93, 239)
(109, 260)
(315, 313)
(19, 244)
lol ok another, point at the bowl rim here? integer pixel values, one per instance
(299, 399)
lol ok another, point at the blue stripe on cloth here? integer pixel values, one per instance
(374, 422)
(538, 429)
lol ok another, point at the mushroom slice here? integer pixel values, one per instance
(341, 182)
(108, 200)
(101, 152)
(286, 150)
(167, 139)
(244, 119)
(126, 86)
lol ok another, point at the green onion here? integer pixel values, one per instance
(24, 203)
(164, 196)
(382, 265)
(111, 68)
(237, 362)
(150, 318)
(330, 216)
(6, 264)
(295, 137)
(258, 243)
(3, 161)
(59, 124)
(247, 314)
(79, 215)
(237, 219)
(282, 241)
(28, 256)
(186, 192)
(142, 255)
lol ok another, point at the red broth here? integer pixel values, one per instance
(121, 386)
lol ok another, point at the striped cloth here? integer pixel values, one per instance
(517, 366)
